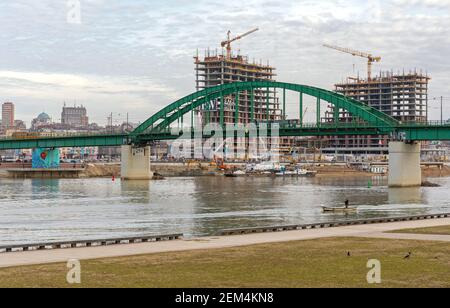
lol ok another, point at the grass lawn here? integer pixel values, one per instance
(443, 230)
(315, 263)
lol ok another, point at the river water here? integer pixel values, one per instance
(67, 209)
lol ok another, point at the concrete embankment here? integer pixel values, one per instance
(93, 170)
(436, 171)
(185, 169)
(345, 171)
(207, 169)
(164, 169)
(338, 171)
(101, 170)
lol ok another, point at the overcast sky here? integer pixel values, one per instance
(136, 56)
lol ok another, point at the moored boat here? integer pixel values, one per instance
(235, 174)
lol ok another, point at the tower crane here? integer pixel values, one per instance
(230, 40)
(370, 58)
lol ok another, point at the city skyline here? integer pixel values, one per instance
(136, 56)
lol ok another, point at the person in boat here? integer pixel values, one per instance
(347, 203)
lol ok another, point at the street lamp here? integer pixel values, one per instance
(117, 119)
(441, 100)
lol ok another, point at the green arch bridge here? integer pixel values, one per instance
(160, 125)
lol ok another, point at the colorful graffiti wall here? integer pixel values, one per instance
(46, 158)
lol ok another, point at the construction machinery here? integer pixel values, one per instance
(230, 40)
(220, 163)
(371, 59)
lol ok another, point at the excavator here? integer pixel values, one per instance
(220, 163)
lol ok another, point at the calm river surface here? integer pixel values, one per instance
(52, 210)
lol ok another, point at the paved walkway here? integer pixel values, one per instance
(371, 231)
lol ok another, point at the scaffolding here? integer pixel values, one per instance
(214, 70)
(404, 96)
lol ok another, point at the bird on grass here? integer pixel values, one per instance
(349, 254)
(408, 256)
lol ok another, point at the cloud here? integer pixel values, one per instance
(102, 94)
(138, 54)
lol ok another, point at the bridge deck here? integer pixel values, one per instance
(63, 141)
(408, 131)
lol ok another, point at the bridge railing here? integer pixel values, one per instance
(324, 125)
(288, 124)
(422, 124)
(31, 136)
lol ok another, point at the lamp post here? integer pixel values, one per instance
(441, 100)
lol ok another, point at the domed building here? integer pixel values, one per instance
(42, 119)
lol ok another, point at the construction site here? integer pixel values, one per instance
(261, 105)
(223, 68)
(402, 95)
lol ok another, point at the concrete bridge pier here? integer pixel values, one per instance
(136, 163)
(404, 164)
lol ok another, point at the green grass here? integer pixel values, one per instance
(443, 230)
(315, 263)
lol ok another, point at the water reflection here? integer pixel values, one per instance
(44, 210)
(136, 191)
(407, 195)
(222, 203)
(40, 187)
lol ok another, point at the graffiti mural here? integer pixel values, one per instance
(45, 158)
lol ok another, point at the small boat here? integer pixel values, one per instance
(306, 173)
(339, 209)
(235, 174)
(311, 174)
(297, 173)
(239, 173)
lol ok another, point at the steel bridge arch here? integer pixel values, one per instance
(171, 113)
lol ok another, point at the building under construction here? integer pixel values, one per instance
(218, 69)
(404, 96)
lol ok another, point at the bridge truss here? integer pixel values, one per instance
(159, 126)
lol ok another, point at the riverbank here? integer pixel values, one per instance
(190, 169)
(308, 258)
(101, 170)
(436, 171)
(96, 170)
(317, 263)
(217, 242)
